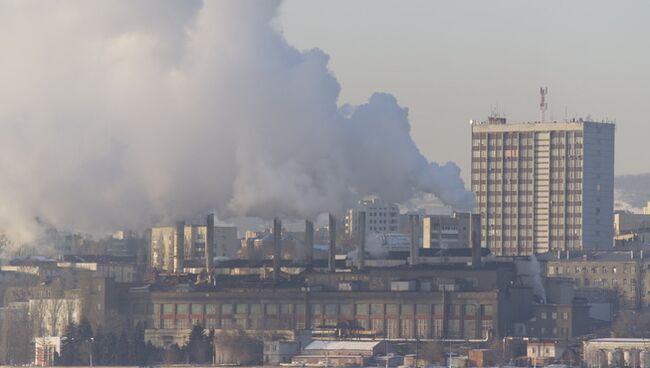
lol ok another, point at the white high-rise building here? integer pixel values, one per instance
(381, 217)
(543, 186)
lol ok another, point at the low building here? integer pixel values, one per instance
(46, 348)
(280, 351)
(343, 353)
(544, 352)
(617, 352)
(560, 321)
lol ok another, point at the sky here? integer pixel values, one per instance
(452, 61)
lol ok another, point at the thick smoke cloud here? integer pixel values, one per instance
(123, 114)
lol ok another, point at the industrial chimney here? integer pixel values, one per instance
(414, 222)
(362, 240)
(332, 250)
(309, 242)
(209, 243)
(179, 250)
(475, 241)
(277, 247)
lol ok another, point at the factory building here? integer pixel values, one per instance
(543, 186)
(624, 272)
(436, 302)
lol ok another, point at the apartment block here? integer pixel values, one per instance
(543, 186)
(442, 231)
(381, 217)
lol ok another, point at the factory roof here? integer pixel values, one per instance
(342, 345)
(600, 255)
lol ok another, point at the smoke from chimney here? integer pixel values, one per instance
(153, 98)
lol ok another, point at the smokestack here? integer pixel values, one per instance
(309, 241)
(332, 250)
(277, 247)
(415, 238)
(179, 251)
(362, 240)
(209, 243)
(475, 242)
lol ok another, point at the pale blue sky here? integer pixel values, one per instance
(452, 61)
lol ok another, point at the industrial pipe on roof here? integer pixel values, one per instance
(209, 243)
(277, 247)
(309, 242)
(332, 250)
(179, 250)
(415, 238)
(362, 240)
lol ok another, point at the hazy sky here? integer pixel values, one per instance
(453, 61)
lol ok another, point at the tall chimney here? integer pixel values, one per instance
(179, 251)
(414, 222)
(277, 247)
(362, 240)
(474, 242)
(309, 241)
(209, 242)
(332, 250)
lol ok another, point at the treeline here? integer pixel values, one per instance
(83, 346)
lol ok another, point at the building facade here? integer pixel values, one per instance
(543, 186)
(164, 242)
(442, 231)
(627, 273)
(381, 217)
(431, 302)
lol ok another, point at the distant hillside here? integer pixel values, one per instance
(633, 190)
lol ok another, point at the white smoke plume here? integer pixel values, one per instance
(126, 113)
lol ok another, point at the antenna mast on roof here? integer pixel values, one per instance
(543, 91)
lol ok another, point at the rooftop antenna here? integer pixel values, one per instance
(543, 106)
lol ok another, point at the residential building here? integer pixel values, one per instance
(381, 217)
(442, 231)
(543, 186)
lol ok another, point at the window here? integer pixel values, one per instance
(197, 308)
(543, 315)
(181, 308)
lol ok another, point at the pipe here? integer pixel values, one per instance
(277, 247)
(209, 243)
(415, 238)
(475, 243)
(179, 250)
(362, 240)
(332, 250)
(309, 241)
